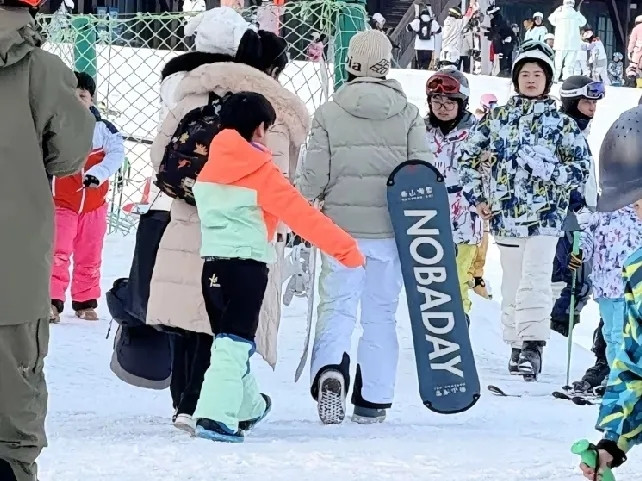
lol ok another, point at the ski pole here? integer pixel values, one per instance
(571, 308)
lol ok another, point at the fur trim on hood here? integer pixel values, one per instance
(192, 60)
(236, 77)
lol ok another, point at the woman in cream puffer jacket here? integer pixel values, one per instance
(176, 298)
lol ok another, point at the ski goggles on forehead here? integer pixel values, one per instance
(535, 46)
(444, 84)
(592, 91)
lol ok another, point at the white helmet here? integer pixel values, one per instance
(569, 3)
(588, 35)
(549, 36)
(538, 15)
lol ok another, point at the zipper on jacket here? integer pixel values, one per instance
(82, 190)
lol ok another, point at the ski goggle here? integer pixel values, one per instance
(445, 84)
(592, 91)
(535, 46)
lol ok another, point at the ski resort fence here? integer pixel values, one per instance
(126, 53)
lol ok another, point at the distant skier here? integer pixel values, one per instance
(452, 44)
(425, 26)
(356, 141)
(597, 57)
(447, 126)
(538, 31)
(532, 171)
(616, 70)
(621, 185)
(568, 43)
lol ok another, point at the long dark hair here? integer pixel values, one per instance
(264, 51)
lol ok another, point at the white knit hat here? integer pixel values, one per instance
(369, 54)
(218, 30)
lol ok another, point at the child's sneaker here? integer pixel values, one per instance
(54, 315)
(250, 423)
(363, 415)
(186, 423)
(87, 314)
(208, 429)
(331, 400)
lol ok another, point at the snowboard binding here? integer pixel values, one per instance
(589, 454)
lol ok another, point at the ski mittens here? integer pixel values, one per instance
(611, 447)
(298, 272)
(90, 181)
(539, 161)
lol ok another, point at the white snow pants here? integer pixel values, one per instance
(527, 265)
(377, 286)
(565, 63)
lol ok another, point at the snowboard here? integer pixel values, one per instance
(420, 215)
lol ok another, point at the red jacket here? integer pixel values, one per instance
(69, 193)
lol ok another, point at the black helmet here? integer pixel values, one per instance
(621, 162)
(579, 87)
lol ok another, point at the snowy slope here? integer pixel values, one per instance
(103, 430)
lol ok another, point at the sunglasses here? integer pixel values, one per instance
(534, 45)
(444, 84)
(592, 91)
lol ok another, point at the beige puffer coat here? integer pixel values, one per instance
(175, 295)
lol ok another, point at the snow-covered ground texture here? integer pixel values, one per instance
(101, 429)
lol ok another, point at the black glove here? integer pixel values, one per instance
(619, 458)
(90, 181)
(575, 261)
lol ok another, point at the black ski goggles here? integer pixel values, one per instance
(535, 46)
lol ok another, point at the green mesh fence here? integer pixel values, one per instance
(126, 54)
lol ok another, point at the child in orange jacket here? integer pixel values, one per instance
(241, 195)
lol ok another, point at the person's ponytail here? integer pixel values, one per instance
(250, 51)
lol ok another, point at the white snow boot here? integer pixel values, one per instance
(530, 359)
(331, 400)
(186, 423)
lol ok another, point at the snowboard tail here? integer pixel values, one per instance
(420, 215)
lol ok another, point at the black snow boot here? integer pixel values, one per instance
(513, 363)
(530, 359)
(597, 374)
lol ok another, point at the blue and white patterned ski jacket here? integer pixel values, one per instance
(608, 241)
(466, 224)
(522, 204)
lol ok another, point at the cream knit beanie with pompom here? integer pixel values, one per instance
(218, 30)
(369, 54)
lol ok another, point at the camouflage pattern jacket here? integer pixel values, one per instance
(621, 410)
(523, 204)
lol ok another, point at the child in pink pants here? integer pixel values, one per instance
(81, 216)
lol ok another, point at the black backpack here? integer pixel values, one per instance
(188, 149)
(425, 29)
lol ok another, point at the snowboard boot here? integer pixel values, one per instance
(250, 423)
(513, 363)
(209, 429)
(57, 306)
(479, 288)
(362, 415)
(331, 400)
(186, 423)
(530, 359)
(87, 314)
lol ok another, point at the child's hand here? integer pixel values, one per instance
(575, 261)
(90, 181)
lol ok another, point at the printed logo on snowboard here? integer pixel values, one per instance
(419, 193)
(430, 276)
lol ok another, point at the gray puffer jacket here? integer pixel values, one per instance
(356, 141)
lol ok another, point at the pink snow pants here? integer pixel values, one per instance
(79, 235)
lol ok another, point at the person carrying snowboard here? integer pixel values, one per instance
(447, 126)
(357, 140)
(241, 195)
(620, 417)
(537, 156)
(44, 132)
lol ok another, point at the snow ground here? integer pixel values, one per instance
(101, 429)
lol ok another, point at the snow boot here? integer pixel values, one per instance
(331, 400)
(362, 415)
(208, 429)
(530, 359)
(479, 288)
(87, 314)
(513, 363)
(250, 423)
(186, 423)
(54, 315)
